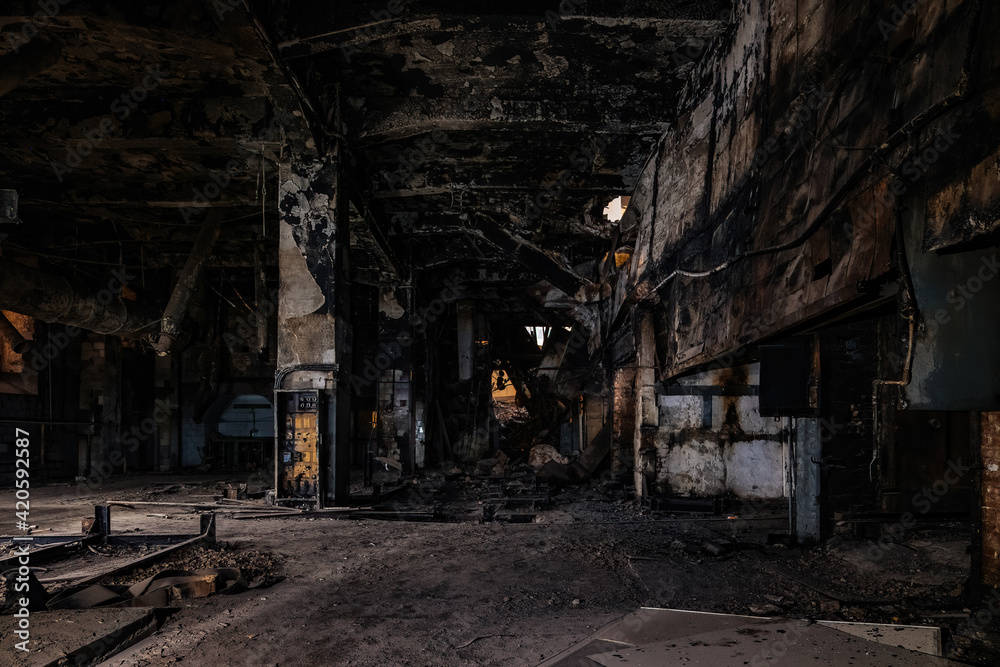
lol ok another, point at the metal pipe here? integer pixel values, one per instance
(909, 311)
(187, 284)
(9, 332)
(53, 298)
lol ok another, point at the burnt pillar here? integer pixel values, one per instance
(647, 414)
(989, 519)
(807, 450)
(466, 335)
(313, 336)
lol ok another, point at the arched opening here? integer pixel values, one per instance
(239, 433)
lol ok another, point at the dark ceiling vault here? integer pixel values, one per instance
(471, 129)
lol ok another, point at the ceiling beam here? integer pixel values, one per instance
(536, 259)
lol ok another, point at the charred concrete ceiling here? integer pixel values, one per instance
(481, 137)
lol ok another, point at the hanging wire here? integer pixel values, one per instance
(221, 295)
(240, 296)
(263, 196)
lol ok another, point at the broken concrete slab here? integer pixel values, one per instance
(800, 642)
(651, 636)
(650, 625)
(84, 636)
(913, 637)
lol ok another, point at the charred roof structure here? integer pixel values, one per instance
(728, 252)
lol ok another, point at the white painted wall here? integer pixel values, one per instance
(712, 445)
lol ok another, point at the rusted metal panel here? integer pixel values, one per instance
(955, 365)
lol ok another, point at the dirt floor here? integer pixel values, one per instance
(459, 591)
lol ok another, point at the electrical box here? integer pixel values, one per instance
(789, 378)
(297, 458)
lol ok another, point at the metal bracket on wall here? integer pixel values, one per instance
(8, 208)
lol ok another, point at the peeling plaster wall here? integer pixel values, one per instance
(306, 317)
(710, 445)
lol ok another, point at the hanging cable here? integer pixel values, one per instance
(875, 160)
(908, 311)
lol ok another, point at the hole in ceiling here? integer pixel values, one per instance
(539, 334)
(615, 209)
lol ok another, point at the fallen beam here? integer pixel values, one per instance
(211, 506)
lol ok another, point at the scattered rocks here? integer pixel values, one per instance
(542, 454)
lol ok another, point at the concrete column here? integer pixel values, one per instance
(395, 387)
(623, 418)
(466, 335)
(807, 447)
(989, 497)
(647, 413)
(111, 414)
(312, 333)
(166, 377)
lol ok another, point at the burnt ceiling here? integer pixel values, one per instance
(459, 119)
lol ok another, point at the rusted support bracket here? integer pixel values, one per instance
(10, 333)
